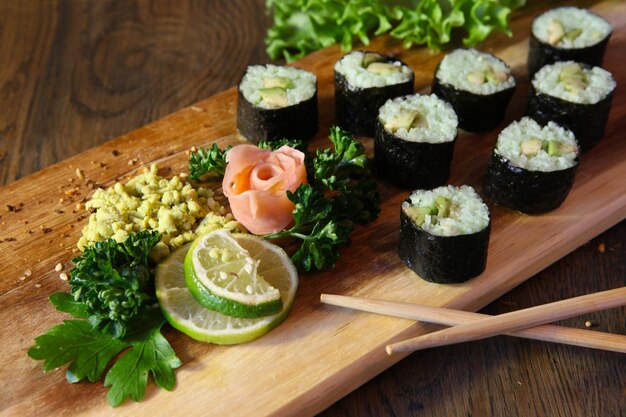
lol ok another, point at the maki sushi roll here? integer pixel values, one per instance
(574, 96)
(277, 102)
(415, 137)
(363, 82)
(478, 85)
(444, 234)
(567, 34)
(532, 168)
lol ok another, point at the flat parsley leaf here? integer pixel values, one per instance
(150, 354)
(87, 350)
(65, 302)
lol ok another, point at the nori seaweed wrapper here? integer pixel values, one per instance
(442, 259)
(476, 112)
(586, 121)
(411, 164)
(541, 54)
(298, 121)
(356, 109)
(526, 191)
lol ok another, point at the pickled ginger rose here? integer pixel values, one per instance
(256, 182)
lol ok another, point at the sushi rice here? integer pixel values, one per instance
(570, 27)
(441, 120)
(460, 64)
(303, 86)
(509, 146)
(468, 213)
(599, 83)
(351, 67)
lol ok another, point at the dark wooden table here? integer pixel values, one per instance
(76, 73)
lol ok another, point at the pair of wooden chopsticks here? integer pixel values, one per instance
(473, 326)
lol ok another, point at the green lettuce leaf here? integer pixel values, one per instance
(303, 26)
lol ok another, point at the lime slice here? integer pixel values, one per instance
(224, 276)
(184, 313)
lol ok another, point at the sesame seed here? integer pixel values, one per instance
(58, 267)
(63, 276)
(588, 324)
(80, 174)
(28, 272)
(37, 285)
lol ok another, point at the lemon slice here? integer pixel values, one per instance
(184, 313)
(224, 276)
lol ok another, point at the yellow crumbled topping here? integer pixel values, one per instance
(148, 201)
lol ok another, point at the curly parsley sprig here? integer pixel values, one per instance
(207, 161)
(113, 280)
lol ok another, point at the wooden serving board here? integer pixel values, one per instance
(320, 353)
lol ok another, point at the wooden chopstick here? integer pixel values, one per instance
(514, 321)
(449, 317)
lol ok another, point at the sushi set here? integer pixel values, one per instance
(489, 168)
(534, 161)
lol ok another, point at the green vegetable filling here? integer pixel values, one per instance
(275, 96)
(532, 146)
(383, 68)
(488, 75)
(574, 78)
(441, 208)
(556, 32)
(370, 58)
(406, 119)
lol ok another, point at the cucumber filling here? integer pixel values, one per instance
(441, 208)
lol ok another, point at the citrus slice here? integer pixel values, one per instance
(223, 276)
(184, 313)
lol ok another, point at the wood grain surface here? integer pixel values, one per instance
(77, 73)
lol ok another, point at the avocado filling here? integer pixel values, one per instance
(370, 58)
(275, 96)
(532, 146)
(375, 63)
(383, 68)
(489, 75)
(574, 79)
(274, 91)
(406, 119)
(441, 208)
(556, 32)
(280, 82)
